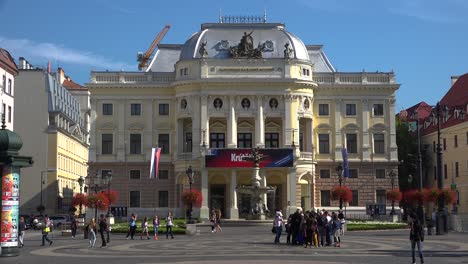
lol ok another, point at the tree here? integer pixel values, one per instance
(407, 155)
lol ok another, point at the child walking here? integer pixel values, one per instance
(156, 226)
(144, 228)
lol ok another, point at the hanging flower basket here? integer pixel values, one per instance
(98, 201)
(193, 197)
(413, 196)
(111, 195)
(394, 195)
(449, 195)
(343, 193)
(80, 198)
(431, 195)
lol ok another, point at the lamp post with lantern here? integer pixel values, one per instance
(339, 172)
(189, 172)
(392, 176)
(81, 183)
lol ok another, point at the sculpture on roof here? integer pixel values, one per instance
(287, 51)
(245, 48)
(202, 50)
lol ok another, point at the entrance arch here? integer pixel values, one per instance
(305, 181)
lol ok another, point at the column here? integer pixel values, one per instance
(393, 145)
(287, 122)
(234, 211)
(147, 137)
(204, 120)
(291, 190)
(260, 124)
(120, 147)
(232, 124)
(365, 130)
(180, 142)
(196, 135)
(204, 210)
(338, 139)
(264, 184)
(93, 133)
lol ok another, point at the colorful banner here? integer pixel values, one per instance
(344, 154)
(234, 158)
(155, 157)
(10, 208)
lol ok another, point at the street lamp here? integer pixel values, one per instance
(81, 183)
(190, 173)
(339, 171)
(43, 182)
(392, 175)
(107, 180)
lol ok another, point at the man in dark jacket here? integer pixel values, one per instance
(416, 236)
(102, 229)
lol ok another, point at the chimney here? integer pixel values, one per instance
(454, 79)
(61, 75)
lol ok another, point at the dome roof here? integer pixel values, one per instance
(219, 37)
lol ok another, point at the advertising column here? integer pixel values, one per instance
(10, 208)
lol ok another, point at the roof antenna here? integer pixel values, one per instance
(264, 15)
(220, 16)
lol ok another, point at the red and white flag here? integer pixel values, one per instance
(155, 156)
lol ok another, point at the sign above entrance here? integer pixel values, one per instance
(234, 158)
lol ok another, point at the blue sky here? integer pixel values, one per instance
(423, 41)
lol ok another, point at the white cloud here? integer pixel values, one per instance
(53, 52)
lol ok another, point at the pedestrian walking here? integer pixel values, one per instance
(213, 220)
(131, 226)
(73, 227)
(278, 225)
(46, 230)
(92, 233)
(336, 230)
(156, 226)
(22, 230)
(287, 226)
(144, 228)
(342, 221)
(416, 237)
(102, 229)
(169, 224)
(218, 220)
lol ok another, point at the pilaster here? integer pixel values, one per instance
(204, 210)
(234, 211)
(232, 123)
(338, 135)
(260, 124)
(365, 131)
(393, 145)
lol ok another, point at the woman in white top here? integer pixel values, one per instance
(144, 228)
(169, 224)
(278, 225)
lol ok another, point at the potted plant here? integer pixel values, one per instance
(342, 192)
(193, 197)
(394, 195)
(431, 195)
(449, 195)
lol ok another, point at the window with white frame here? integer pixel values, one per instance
(378, 110)
(351, 143)
(324, 110)
(350, 109)
(379, 143)
(324, 143)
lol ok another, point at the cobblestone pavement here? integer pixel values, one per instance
(243, 245)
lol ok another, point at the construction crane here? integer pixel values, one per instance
(143, 59)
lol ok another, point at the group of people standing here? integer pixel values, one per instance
(91, 228)
(310, 228)
(132, 226)
(215, 220)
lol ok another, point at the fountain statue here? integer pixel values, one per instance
(255, 190)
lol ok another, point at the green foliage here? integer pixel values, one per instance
(407, 155)
(178, 227)
(375, 226)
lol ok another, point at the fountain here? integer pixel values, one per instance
(255, 190)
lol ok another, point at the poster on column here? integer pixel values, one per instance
(10, 208)
(234, 158)
(10, 185)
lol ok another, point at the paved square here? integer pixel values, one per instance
(250, 244)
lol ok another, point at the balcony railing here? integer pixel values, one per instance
(132, 77)
(354, 78)
(306, 155)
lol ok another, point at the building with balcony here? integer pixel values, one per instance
(53, 124)
(217, 91)
(8, 71)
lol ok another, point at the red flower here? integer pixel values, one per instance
(111, 195)
(99, 201)
(80, 198)
(342, 192)
(195, 197)
(449, 195)
(394, 195)
(413, 196)
(431, 195)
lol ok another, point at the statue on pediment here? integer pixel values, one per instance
(246, 49)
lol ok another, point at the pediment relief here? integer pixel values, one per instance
(107, 126)
(136, 126)
(351, 127)
(245, 125)
(217, 125)
(272, 125)
(379, 126)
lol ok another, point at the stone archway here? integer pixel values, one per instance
(305, 182)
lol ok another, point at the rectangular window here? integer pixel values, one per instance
(9, 86)
(433, 146)
(457, 172)
(135, 143)
(323, 110)
(107, 142)
(379, 144)
(455, 141)
(378, 110)
(4, 83)
(350, 109)
(106, 173)
(435, 173)
(353, 173)
(163, 143)
(445, 144)
(4, 109)
(380, 197)
(188, 142)
(163, 199)
(216, 140)
(135, 109)
(271, 140)
(325, 198)
(163, 109)
(134, 174)
(380, 173)
(351, 143)
(163, 174)
(324, 174)
(355, 200)
(301, 141)
(134, 198)
(324, 144)
(9, 114)
(107, 109)
(244, 140)
(445, 171)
